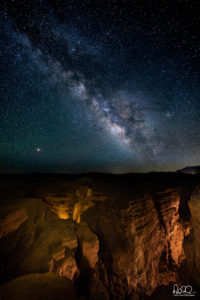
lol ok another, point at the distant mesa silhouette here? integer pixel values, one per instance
(190, 170)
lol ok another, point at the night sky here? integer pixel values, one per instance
(109, 86)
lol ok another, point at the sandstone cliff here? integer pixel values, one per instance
(112, 237)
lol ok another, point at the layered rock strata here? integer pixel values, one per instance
(192, 242)
(111, 242)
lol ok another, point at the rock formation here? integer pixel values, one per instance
(122, 238)
(192, 243)
(46, 286)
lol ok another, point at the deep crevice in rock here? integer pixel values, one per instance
(119, 244)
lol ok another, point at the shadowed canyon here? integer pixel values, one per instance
(99, 236)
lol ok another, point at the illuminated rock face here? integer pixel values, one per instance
(35, 244)
(118, 240)
(44, 242)
(12, 221)
(193, 242)
(141, 241)
(89, 244)
(70, 205)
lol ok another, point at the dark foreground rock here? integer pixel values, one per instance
(47, 286)
(99, 236)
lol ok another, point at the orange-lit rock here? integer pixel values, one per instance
(64, 264)
(113, 236)
(12, 221)
(70, 205)
(89, 244)
(169, 202)
(84, 196)
(141, 240)
(194, 239)
(41, 239)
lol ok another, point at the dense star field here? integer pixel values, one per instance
(110, 86)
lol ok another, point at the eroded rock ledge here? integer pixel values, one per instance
(112, 239)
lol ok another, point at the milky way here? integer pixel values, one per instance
(112, 88)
